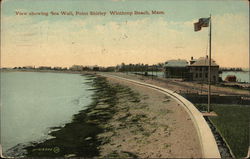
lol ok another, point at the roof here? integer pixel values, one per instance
(176, 63)
(203, 61)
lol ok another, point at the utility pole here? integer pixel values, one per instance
(209, 67)
(152, 71)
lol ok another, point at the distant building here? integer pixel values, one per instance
(76, 68)
(176, 69)
(231, 78)
(29, 67)
(109, 69)
(57, 68)
(199, 70)
(44, 68)
(196, 70)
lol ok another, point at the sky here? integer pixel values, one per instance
(65, 40)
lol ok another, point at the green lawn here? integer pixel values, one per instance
(233, 123)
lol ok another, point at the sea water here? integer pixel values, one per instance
(32, 102)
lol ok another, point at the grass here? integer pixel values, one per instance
(233, 123)
(203, 107)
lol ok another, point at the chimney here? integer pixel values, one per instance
(192, 60)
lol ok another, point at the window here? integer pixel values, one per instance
(200, 75)
(206, 75)
(196, 75)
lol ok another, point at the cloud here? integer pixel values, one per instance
(13, 20)
(103, 41)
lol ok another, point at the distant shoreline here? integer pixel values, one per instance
(70, 71)
(97, 72)
(43, 71)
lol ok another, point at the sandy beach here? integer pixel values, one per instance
(154, 126)
(124, 120)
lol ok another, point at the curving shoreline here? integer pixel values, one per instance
(78, 138)
(206, 138)
(154, 127)
(124, 120)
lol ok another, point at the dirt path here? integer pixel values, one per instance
(153, 125)
(183, 86)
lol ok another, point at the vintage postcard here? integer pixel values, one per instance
(125, 78)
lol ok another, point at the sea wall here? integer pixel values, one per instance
(207, 140)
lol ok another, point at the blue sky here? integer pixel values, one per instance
(110, 40)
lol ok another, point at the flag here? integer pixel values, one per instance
(203, 22)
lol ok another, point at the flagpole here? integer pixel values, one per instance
(209, 67)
